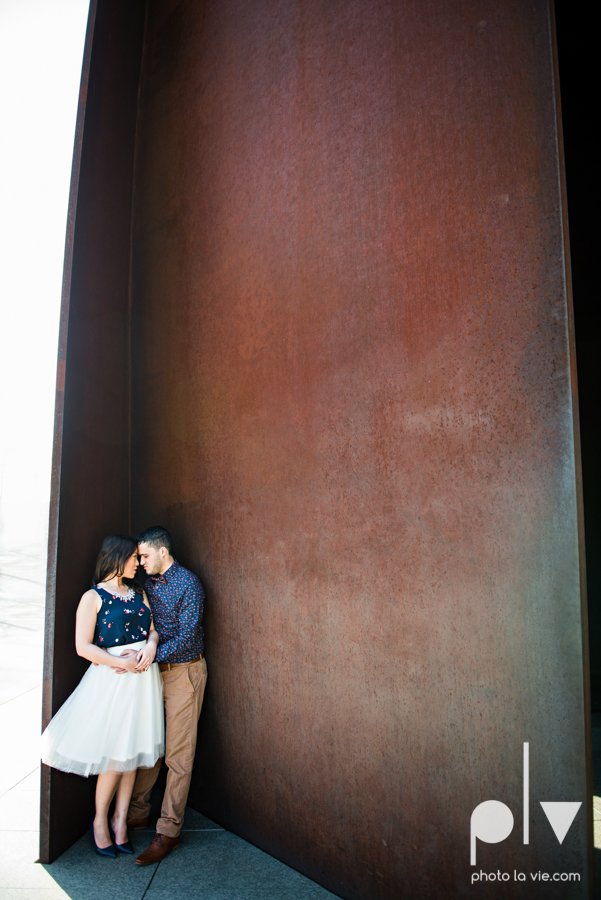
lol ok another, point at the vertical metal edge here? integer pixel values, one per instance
(577, 449)
(130, 281)
(49, 619)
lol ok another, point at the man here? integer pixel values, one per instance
(176, 598)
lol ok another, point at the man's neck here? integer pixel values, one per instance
(166, 565)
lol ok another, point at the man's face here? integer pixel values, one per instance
(151, 560)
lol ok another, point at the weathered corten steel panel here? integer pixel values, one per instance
(90, 479)
(352, 405)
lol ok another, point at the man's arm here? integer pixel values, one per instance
(188, 619)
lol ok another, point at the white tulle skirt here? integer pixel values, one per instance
(110, 722)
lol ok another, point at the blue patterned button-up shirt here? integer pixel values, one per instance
(177, 600)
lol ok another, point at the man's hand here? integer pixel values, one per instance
(146, 656)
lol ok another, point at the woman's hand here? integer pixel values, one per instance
(146, 657)
(127, 662)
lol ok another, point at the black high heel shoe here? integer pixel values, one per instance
(124, 848)
(103, 851)
(121, 848)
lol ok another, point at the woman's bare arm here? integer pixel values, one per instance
(85, 625)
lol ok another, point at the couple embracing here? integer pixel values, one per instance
(141, 698)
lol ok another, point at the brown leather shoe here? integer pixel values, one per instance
(160, 847)
(137, 824)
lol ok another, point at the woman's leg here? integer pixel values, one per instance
(105, 791)
(119, 820)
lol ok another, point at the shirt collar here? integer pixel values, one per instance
(163, 579)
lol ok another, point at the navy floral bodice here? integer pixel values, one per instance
(122, 619)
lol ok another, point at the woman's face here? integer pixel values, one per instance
(131, 566)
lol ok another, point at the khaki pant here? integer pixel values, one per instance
(183, 691)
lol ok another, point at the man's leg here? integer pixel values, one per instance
(183, 689)
(139, 806)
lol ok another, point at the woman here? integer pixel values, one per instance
(112, 723)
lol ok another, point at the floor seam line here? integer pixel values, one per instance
(147, 888)
(28, 691)
(17, 783)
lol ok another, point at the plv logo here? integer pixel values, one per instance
(492, 821)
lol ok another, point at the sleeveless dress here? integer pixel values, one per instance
(110, 721)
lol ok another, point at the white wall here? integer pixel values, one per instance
(41, 47)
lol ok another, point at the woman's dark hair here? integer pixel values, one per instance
(115, 551)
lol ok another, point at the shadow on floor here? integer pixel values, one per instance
(210, 862)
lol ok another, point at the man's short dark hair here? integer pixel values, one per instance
(156, 536)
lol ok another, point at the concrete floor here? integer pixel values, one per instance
(211, 863)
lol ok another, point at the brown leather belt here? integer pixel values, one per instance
(166, 667)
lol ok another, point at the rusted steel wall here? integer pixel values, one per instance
(352, 405)
(90, 478)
